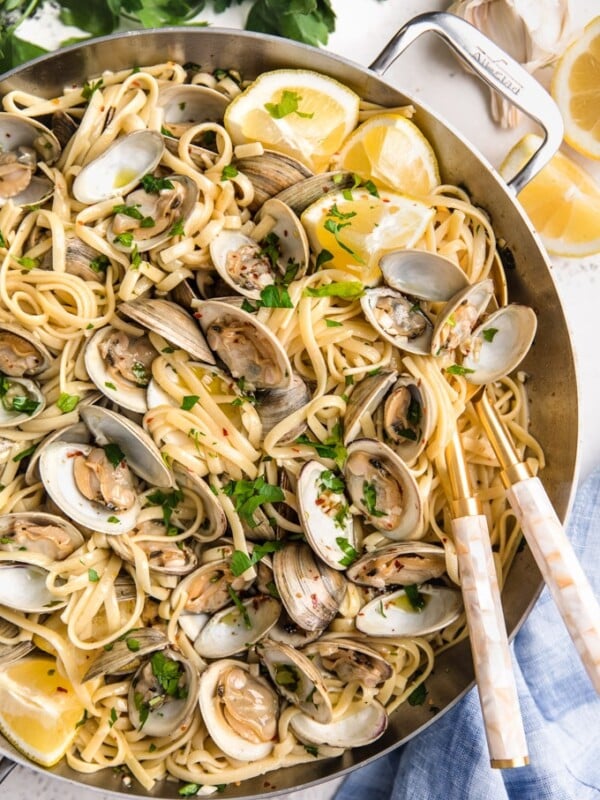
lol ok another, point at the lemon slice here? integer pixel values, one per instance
(562, 201)
(576, 89)
(39, 709)
(357, 227)
(297, 112)
(390, 150)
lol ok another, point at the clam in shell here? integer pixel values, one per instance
(233, 629)
(21, 399)
(239, 708)
(21, 354)
(395, 614)
(39, 532)
(402, 563)
(23, 143)
(355, 729)
(398, 319)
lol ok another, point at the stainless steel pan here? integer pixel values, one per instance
(550, 365)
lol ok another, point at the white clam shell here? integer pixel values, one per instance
(120, 167)
(123, 394)
(226, 633)
(476, 295)
(23, 587)
(10, 418)
(317, 510)
(512, 330)
(420, 345)
(352, 730)
(424, 275)
(230, 742)
(393, 615)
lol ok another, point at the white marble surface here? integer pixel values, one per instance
(429, 73)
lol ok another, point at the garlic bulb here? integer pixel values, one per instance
(533, 32)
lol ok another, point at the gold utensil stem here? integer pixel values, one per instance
(513, 469)
(463, 503)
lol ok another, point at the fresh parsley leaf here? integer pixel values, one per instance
(154, 185)
(169, 502)
(3, 242)
(249, 495)
(24, 404)
(190, 789)
(24, 453)
(458, 369)
(93, 576)
(128, 211)
(333, 323)
(418, 695)
(28, 263)
(288, 104)
(328, 480)
(347, 290)
(132, 644)
(332, 447)
(113, 520)
(275, 297)
(83, 719)
(415, 598)
(371, 188)
(89, 87)
(350, 554)
(126, 239)
(323, 257)
(114, 453)
(168, 673)
(489, 333)
(177, 228)
(110, 385)
(370, 498)
(312, 749)
(240, 562)
(113, 717)
(100, 263)
(240, 606)
(189, 401)
(229, 171)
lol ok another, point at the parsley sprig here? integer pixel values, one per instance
(249, 495)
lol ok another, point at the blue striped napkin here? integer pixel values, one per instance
(561, 713)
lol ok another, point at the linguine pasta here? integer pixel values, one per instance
(209, 428)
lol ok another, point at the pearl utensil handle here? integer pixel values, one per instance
(487, 630)
(548, 542)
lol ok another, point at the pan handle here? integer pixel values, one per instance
(497, 69)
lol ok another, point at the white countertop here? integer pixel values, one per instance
(425, 72)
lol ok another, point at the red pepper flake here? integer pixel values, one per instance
(62, 689)
(225, 432)
(74, 453)
(314, 600)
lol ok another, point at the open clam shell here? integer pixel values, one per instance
(245, 345)
(120, 167)
(39, 532)
(207, 588)
(23, 143)
(156, 214)
(500, 343)
(120, 366)
(455, 323)
(350, 660)
(383, 489)
(409, 417)
(275, 405)
(239, 708)
(324, 513)
(271, 173)
(398, 319)
(77, 433)
(214, 523)
(366, 396)
(171, 322)
(394, 614)
(352, 730)
(296, 679)
(310, 590)
(404, 563)
(21, 354)
(23, 587)
(303, 193)
(424, 275)
(125, 654)
(21, 399)
(188, 104)
(156, 710)
(231, 630)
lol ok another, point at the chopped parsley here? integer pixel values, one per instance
(240, 562)
(229, 172)
(489, 333)
(3, 242)
(350, 554)
(23, 404)
(458, 369)
(126, 239)
(169, 502)
(142, 378)
(415, 598)
(83, 719)
(93, 576)
(177, 229)
(288, 676)
(132, 644)
(249, 495)
(312, 749)
(154, 185)
(287, 105)
(190, 789)
(114, 454)
(418, 695)
(332, 447)
(189, 401)
(28, 263)
(89, 87)
(113, 520)
(323, 257)
(370, 500)
(240, 606)
(24, 453)
(341, 517)
(110, 385)
(99, 264)
(328, 480)
(333, 323)
(168, 673)
(274, 296)
(113, 717)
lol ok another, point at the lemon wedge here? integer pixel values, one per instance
(297, 112)
(39, 709)
(391, 150)
(576, 89)
(356, 227)
(562, 201)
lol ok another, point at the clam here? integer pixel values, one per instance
(350, 660)
(208, 587)
(185, 105)
(275, 405)
(288, 632)
(500, 343)
(214, 523)
(21, 399)
(22, 355)
(355, 729)
(170, 321)
(423, 611)
(12, 651)
(77, 433)
(383, 489)
(300, 195)
(245, 345)
(165, 557)
(82, 260)
(403, 563)
(296, 679)
(162, 694)
(23, 143)
(63, 126)
(120, 365)
(270, 173)
(95, 484)
(120, 167)
(250, 266)
(23, 587)
(454, 325)
(39, 532)
(240, 710)
(398, 319)
(311, 591)
(424, 275)
(150, 216)
(366, 396)
(324, 513)
(408, 417)
(234, 628)
(124, 655)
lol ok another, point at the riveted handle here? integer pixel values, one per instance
(561, 570)
(494, 66)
